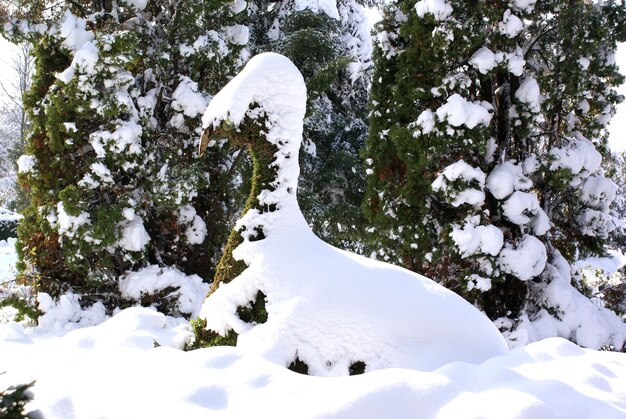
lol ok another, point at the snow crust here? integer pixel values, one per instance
(325, 306)
(118, 358)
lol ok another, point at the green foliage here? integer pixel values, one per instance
(13, 401)
(254, 313)
(26, 309)
(204, 338)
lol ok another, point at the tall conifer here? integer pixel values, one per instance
(485, 149)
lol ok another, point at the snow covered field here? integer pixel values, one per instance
(114, 370)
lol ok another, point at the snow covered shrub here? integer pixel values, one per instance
(487, 137)
(113, 178)
(284, 294)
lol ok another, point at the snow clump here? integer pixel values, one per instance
(511, 25)
(188, 99)
(66, 313)
(466, 173)
(26, 164)
(526, 260)
(472, 239)
(521, 206)
(506, 178)
(528, 93)
(524, 5)
(133, 234)
(440, 9)
(458, 111)
(197, 230)
(484, 60)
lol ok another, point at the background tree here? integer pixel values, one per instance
(14, 125)
(485, 150)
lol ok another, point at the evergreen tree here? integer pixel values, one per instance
(486, 140)
(111, 165)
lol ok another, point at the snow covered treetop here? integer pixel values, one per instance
(272, 87)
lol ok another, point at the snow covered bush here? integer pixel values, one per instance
(283, 293)
(112, 175)
(485, 155)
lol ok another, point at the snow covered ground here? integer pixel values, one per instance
(116, 370)
(132, 366)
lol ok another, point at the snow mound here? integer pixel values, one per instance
(67, 314)
(549, 379)
(327, 307)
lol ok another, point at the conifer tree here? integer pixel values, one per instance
(486, 140)
(110, 164)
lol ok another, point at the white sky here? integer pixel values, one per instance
(7, 52)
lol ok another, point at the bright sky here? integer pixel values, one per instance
(7, 51)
